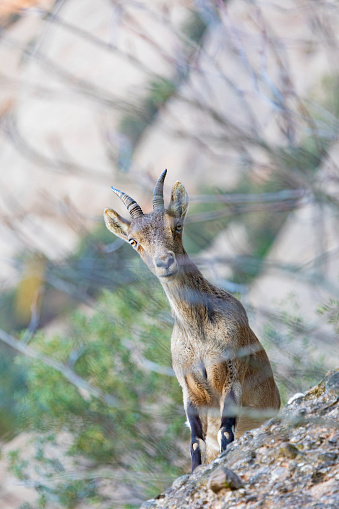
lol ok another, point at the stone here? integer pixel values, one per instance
(224, 478)
(332, 383)
(328, 456)
(278, 473)
(288, 450)
(295, 397)
(149, 504)
(334, 439)
(178, 483)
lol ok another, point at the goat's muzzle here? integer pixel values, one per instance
(166, 265)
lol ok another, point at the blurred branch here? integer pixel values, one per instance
(280, 196)
(87, 36)
(144, 363)
(113, 246)
(299, 328)
(70, 289)
(46, 28)
(78, 85)
(141, 31)
(21, 225)
(9, 125)
(232, 210)
(34, 87)
(35, 317)
(85, 389)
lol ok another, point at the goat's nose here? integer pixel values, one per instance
(165, 260)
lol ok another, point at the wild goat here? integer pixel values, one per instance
(225, 375)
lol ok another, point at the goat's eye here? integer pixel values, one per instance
(132, 242)
(178, 227)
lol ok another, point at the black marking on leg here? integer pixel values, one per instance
(195, 454)
(194, 420)
(196, 434)
(228, 422)
(226, 432)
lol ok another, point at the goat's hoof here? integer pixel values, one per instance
(197, 452)
(225, 437)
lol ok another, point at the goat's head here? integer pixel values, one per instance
(156, 236)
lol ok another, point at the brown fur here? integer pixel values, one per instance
(216, 356)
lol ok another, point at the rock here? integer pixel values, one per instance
(291, 461)
(149, 504)
(332, 383)
(278, 473)
(288, 450)
(334, 439)
(178, 483)
(296, 396)
(224, 478)
(251, 498)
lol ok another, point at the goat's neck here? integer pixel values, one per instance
(189, 293)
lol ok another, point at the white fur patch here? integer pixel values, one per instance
(212, 444)
(236, 387)
(219, 438)
(202, 447)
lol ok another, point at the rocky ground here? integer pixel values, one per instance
(292, 461)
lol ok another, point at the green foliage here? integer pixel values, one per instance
(199, 235)
(17, 465)
(73, 492)
(142, 433)
(87, 271)
(12, 381)
(194, 27)
(7, 309)
(303, 159)
(331, 311)
(296, 360)
(261, 227)
(330, 99)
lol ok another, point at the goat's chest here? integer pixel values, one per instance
(200, 363)
(195, 344)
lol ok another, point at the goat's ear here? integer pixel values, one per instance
(116, 224)
(179, 200)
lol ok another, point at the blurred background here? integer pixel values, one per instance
(239, 101)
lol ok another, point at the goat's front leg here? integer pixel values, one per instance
(197, 438)
(228, 420)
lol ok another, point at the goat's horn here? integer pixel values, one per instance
(158, 193)
(133, 208)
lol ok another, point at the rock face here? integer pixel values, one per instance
(291, 461)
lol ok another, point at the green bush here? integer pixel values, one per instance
(142, 434)
(295, 357)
